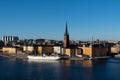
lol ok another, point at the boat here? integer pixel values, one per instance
(117, 56)
(32, 57)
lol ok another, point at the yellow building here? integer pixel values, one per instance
(95, 50)
(9, 50)
(114, 50)
(69, 52)
(40, 49)
(87, 51)
(45, 49)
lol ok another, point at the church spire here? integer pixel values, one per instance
(66, 30)
(66, 37)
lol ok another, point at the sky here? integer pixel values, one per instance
(47, 19)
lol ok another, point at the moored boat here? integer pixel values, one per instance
(117, 56)
(43, 57)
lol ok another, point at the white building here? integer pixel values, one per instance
(29, 49)
(57, 49)
(9, 38)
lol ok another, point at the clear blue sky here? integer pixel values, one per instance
(47, 18)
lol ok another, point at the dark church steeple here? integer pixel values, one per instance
(66, 30)
(66, 37)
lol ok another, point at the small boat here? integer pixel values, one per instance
(32, 57)
(117, 56)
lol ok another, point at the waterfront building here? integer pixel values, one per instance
(78, 52)
(70, 52)
(57, 49)
(45, 49)
(95, 50)
(28, 49)
(40, 50)
(12, 50)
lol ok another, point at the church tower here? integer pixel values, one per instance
(66, 37)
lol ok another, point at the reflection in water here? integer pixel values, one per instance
(66, 69)
(87, 63)
(44, 70)
(66, 63)
(91, 63)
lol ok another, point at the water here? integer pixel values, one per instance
(103, 69)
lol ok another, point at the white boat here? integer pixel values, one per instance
(117, 56)
(43, 57)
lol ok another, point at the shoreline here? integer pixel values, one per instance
(15, 56)
(24, 57)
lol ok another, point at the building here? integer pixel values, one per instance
(70, 52)
(96, 50)
(57, 49)
(12, 50)
(9, 50)
(9, 38)
(28, 49)
(78, 52)
(45, 49)
(66, 49)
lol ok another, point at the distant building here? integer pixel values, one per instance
(96, 50)
(57, 49)
(12, 50)
(78, 52)
(28, 49)
(45, 49)
(9, 50)
(70, 52)
(9, 38)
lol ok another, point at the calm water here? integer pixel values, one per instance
(107, 69)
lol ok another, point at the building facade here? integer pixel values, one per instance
(45, 49)
(28, 49)
(57, 49)
(9, 50)
(96, 50)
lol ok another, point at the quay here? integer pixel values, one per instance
(24, 57)
(15, 56)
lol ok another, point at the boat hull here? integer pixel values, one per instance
(117, 56)
(43, 57)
